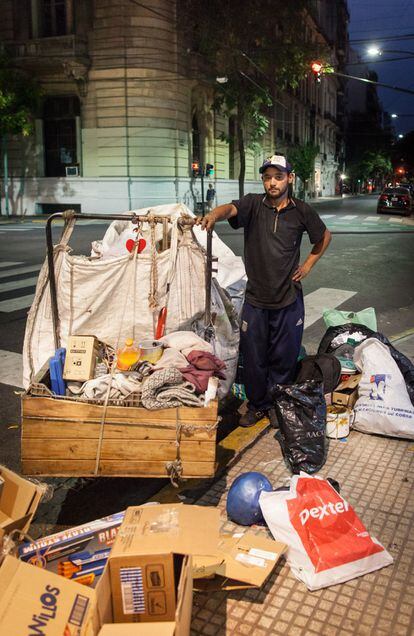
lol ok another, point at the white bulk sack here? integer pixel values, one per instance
(327, 542)
(383, 405)
(108, 294)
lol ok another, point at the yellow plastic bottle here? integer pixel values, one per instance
(127, 356)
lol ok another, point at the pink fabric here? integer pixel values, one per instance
(202, 366)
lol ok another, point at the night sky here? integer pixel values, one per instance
(372, 20)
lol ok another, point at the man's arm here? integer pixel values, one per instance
(220, 213)
(314, 256)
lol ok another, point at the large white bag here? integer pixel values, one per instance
(114, 295)
(383, 406)
(327, 542)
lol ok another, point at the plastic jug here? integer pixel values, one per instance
(128, 356)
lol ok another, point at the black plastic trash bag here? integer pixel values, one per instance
(301, 414)
(404, 364)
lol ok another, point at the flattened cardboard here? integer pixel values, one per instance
(346, 393)
(247, 561)
(19, 499)
(35, 601)
(176, 528)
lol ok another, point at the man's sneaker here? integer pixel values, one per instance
(250, 418)
(271, 414)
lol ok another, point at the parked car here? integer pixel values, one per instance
(397, 200)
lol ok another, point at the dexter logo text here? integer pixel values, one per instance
(320, 512)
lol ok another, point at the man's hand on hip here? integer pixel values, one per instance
(301, 272)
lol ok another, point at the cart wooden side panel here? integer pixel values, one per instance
(61, 438)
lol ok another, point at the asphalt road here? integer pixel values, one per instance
(369, 264)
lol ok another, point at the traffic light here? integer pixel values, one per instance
(317, 70)
(195, 168)
(209, 170)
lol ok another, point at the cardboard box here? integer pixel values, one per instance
(35, 601)
(79, 553)
(346, 393)
(19, 499)
(147, 554)
(247, 560)
(81, 352)
(139, 629)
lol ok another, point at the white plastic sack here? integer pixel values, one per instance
(383, 406)
(327, 542)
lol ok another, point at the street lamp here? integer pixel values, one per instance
(400, 136)
(373, 51)
(394, 115)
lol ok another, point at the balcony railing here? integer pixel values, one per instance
(59, 46)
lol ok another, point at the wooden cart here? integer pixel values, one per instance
(67, 437)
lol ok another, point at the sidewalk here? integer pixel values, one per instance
(375, 474)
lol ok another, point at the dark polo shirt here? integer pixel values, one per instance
(272, 247)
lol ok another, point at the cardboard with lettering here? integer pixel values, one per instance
(78, 553)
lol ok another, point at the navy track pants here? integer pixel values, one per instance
(270, 341)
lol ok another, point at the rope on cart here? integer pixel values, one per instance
(175, 468)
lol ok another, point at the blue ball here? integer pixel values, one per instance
(243, 498)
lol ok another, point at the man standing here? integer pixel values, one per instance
(273, 312)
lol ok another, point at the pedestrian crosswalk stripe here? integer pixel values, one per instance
(18, 284)
(15, 304)
(395, 219)
(348, 217)
(323, 298)
(4, 264)
(11, 228)
(11, 368)
(372, 218)
(20, 270)
(327, 216)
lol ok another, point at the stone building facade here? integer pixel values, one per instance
(123, 115)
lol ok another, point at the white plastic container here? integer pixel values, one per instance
(337, 422)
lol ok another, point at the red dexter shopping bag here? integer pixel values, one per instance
(327, 542)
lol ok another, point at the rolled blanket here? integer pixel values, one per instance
(166, 389)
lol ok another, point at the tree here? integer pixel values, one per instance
(370, 165)
(19, 99)
(256, 48)
(302, 157)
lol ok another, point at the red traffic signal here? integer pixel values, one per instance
(195, 168)
(316, 67)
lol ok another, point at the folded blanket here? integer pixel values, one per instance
(167, 389)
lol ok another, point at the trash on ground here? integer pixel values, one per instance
(301, 413)
(383, 406)
(327, 542)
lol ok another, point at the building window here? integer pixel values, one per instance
(51, 18)
(59, 119)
